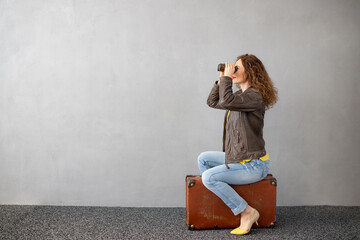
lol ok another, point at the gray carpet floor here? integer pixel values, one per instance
(68, 222)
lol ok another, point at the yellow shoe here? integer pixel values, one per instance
(239, 231)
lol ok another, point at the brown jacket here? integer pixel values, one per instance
(243, 128)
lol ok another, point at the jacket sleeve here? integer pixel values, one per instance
(213, 99)
(246, 101)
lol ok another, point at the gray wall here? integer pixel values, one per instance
(103, 103)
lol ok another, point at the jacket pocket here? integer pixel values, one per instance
(240, 143)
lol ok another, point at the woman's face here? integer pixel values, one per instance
(239, 76)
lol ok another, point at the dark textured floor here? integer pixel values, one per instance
(67, 222)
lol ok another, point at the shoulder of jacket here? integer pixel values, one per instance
(254, 93)
(250, 91)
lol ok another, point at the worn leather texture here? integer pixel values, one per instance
(205, 210)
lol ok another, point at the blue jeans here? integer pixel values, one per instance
(216, 177)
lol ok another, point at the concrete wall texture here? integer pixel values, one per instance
(103, 103)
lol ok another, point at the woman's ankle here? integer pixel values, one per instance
(248, 209)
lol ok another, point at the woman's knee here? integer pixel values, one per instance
(202, 158)
(207, 178)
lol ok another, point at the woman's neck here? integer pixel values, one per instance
(244, 86)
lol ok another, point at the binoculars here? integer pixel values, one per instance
(221, 67)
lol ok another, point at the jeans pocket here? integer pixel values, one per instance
(254, 163)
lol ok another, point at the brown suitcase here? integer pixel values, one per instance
(205, 210)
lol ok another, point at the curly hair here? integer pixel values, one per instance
(258, 77)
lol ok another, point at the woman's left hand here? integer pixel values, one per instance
(229, 69)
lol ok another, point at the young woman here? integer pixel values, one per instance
(244, 159)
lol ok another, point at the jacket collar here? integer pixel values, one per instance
(240, 90)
